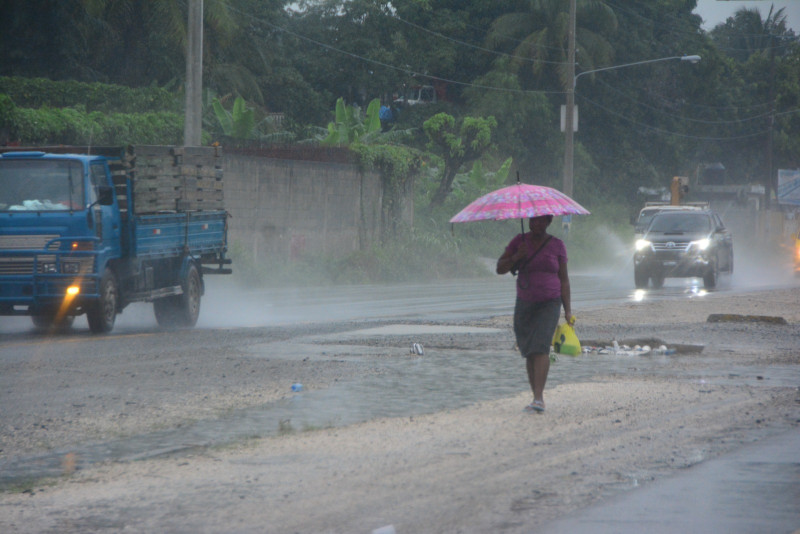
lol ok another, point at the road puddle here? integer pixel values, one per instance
(407, 386)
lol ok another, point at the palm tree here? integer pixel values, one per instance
(138, 42)
(746, 33)
(536, 38)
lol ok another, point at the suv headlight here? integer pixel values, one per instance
(701, 244)
(642, 244)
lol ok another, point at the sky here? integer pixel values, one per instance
(715, 12)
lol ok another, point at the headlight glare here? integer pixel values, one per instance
(702, 244)
(642, 244)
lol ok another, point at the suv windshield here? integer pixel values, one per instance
(40, 185)
(680, 223)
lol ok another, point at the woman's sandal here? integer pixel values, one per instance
(535, 406)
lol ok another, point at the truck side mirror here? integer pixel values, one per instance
(105, 195)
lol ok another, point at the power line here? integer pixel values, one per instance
(701, 121)
(667, 132)
(387, 65)
(469, 45)
(516, 91)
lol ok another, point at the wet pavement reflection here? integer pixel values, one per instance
(400, 387)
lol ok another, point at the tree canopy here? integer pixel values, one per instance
(638, 126)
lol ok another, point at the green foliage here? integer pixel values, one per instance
(76, 126)
(239, 123)
(40, 92)
(477, 182)
(456, 145)
(349, 127)
(397, 166)
(420, 255)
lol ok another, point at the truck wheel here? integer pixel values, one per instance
(48, 320)
(640, 278)
(181, 310)
(710, 278)
(102, 313)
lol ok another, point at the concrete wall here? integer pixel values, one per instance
(286, 208)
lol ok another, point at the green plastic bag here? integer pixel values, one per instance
(565, 341)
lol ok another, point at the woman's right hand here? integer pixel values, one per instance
(521, 253)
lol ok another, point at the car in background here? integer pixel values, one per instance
(682, 244)
(796, 251)
(641, 221)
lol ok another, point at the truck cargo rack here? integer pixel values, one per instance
(206, 269)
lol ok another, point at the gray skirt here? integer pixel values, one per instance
(534, 325)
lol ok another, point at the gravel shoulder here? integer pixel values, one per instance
(487, 467)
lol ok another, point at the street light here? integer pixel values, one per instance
(570, 113)
(690, 59)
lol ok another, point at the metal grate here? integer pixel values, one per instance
(10, 265)
(671, 246)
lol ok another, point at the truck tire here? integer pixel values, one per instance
(102, 313)
(48, 320)
(181, 311)
(640, 278)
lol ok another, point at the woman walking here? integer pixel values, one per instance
(540, 262)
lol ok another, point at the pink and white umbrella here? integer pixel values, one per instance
(519, 201)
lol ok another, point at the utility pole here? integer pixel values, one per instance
(771, 181)
(192, 123)
(569, 112)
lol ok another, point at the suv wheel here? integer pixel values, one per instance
(711, 276)
(658, 280)
(640, 278)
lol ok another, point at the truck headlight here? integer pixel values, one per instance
(49, 268)
(702, 244)
(642, 244)
(71, 267)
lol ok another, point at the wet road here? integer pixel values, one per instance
(228, 305)
(417, 386)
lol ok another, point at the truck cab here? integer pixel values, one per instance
(641, 221)
(58, 219)
(73, 242)
(420, 94)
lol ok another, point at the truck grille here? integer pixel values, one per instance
(10, 265)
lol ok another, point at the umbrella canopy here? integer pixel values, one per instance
(519, 201)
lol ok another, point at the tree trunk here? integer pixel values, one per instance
(445, 186)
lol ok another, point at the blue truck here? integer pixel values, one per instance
(91, 230)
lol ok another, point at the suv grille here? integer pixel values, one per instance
(672, 246)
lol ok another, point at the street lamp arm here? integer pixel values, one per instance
(691, 59)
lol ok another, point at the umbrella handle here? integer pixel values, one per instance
(522, 220)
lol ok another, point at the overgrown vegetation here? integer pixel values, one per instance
(78, 126)
(277, 75)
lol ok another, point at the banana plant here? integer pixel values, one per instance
(348, 126)
(239, 123)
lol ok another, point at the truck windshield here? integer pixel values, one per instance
(40, 185)
(645, 216)
(680, 223)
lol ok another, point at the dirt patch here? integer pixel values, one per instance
(488, 467)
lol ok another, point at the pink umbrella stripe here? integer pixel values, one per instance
(518, 202)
